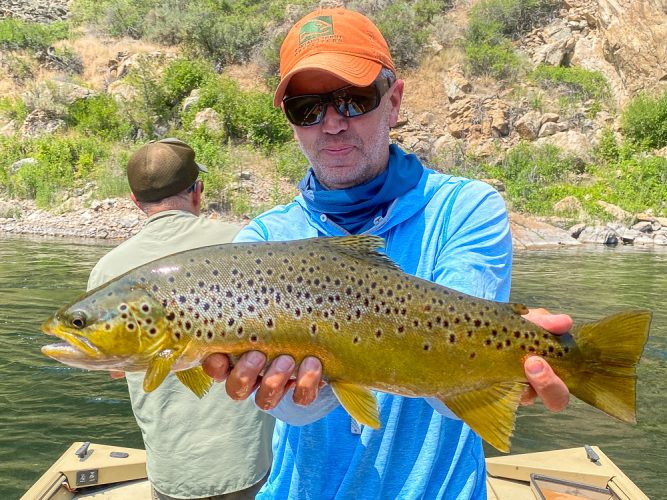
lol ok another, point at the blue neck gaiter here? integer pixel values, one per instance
(355, 208)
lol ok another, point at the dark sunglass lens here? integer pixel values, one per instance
(355, 101)
(303, 110)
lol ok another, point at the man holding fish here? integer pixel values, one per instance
(339, 91)
(425, 324)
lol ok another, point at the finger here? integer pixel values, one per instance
(551, 389)
(528, 397)
(274, 383)
(116, 374)
(216, 366)
(308, 381)
(244, 377)
(554, 323)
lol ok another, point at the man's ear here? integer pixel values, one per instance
(134, 199)
(395, 98)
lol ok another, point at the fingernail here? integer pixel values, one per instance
(310, 364)
(255, 359)
(284, 363)
(534, 366)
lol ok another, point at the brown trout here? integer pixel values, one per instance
(372, 326)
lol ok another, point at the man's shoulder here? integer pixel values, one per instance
(283, 222)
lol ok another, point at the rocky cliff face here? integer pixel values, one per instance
(627, 44)
(39, 11)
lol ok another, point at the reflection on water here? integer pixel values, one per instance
(588, 284)
(44, 406)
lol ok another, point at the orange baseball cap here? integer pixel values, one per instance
(342, 42)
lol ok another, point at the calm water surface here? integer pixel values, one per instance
(44, 406)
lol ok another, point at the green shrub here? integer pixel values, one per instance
(112, 17)
(225, 39)
(13, 109)
(406, 39)
(290, 162)
(644, 121)
(512, 18)
(16, 34)
(182, 76)
(635, 184)
(61, 163)
(99, 116)
(536, 177)
(499, 61)
(248, 116)
(577, 84)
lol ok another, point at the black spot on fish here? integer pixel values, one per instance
(487, 341)
(477, 323)
(472, 355)
(122, 307)
(356, 340)
(452, 338)
(269, 323)
(131, 326)
(313, 328)
(378, 333)
(427, 347)
(239, 331)
(145, 308)
(508, 342)
(107, 326)
(188, 325)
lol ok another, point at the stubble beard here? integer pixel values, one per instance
(372, 161)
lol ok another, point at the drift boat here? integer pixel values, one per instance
(97, 471)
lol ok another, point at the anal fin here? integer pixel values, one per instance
(359, 402)
(158, 368)
(490, 412)
(196, 380)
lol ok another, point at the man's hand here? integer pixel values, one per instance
(544, 382)
(245, 377)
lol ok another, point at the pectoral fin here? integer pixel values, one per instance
(358, 402)
(159, 368)
(196, 380)
(490, 412)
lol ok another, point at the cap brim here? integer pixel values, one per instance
(202, 168)
(354, 70)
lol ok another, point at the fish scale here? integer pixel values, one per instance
(372, 326)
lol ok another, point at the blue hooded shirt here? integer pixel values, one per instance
(448, 230)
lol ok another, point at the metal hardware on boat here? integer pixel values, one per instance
(83, 450)
(592, 456)
(119, 454)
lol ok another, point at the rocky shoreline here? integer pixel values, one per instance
(116, 219)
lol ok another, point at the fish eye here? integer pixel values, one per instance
(78, 320)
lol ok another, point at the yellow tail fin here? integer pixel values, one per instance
(611, 349)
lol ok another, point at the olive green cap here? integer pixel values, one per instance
(161, 169)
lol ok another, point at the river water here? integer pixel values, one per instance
(44, 406)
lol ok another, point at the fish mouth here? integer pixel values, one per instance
(75, 346)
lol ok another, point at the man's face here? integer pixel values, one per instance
(345, 152)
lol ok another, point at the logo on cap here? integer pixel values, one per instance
(315, 28)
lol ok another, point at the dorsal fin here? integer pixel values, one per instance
(361, 247)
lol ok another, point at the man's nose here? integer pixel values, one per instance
(333, 122)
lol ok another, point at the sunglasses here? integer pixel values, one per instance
(309, 109)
